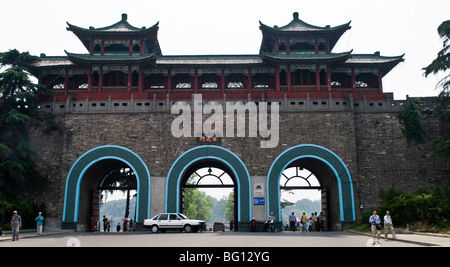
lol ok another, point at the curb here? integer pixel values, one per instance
(399, 239)
(26, 234)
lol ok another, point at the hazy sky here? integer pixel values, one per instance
(392, 27)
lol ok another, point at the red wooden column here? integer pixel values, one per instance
(288, 78)
(316, 45)
(277, 78)
(130, 47)
(142, 47)
(102, 47)
(277, 46)
(222, 81)
(91, 47)
(141, 80)
(353, 81)
(249, 80)
(327, 45)
(169, 80)
(288, 46)
(129, 79)
(89, 79)
(66, 81)
(317, 78)
(196, 82)
(329, 78)
(380, 82)
(100, 79)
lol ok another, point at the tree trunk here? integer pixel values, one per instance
(127, 208)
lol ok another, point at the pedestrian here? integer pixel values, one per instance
(16, 224)
(375, 225)
(388, 226)
(272, 219)
(105, 223)
(316, 222)
(132, 225)
(253, 225)
(39, 223)
(267, 224)
(322, 222)
(292, 221)
(118, 227)
(304, 224)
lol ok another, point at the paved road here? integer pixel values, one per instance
(227, 239)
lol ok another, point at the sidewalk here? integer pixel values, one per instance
(424, 239)
(29, 233)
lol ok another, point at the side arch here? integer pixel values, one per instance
(93, 156)
(340, 170)
(222, 155)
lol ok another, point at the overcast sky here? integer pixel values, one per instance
(393, 27)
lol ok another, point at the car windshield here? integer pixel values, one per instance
(184, 217)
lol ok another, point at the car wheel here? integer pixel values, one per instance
(187, 228)
(155, 229)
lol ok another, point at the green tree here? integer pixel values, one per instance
(442, 61)
(18, 107)
(228, 206)
(442, 64)
(197, 204)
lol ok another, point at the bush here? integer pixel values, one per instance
(431, 205)
(28, 211)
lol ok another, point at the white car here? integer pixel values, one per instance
(164, 221)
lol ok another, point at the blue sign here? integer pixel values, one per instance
(259, 201)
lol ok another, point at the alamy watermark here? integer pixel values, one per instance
(257, 114)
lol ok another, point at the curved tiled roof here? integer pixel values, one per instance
(297, 25)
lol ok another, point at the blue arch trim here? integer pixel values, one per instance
(334, 162)
(83, 163)
(217, 153)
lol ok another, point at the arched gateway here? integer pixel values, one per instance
(321, 161)
(221, 156)
(89, 169)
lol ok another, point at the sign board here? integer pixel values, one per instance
(258, 190)
(257, 201)
(209, 140)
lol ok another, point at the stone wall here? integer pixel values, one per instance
(387, 160)
(371, 145)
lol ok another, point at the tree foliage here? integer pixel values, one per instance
(411, 120)
(197, 204)
(431, 205)
(18, 107)
(228, 206)
(442, 62)
(28, 210)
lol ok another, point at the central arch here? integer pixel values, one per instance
(326, 160)
(214, 153)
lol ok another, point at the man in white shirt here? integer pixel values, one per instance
(388, 225)
(375, 225)
(292, 221)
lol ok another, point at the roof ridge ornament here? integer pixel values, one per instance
(295, 15)
(124, 16)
